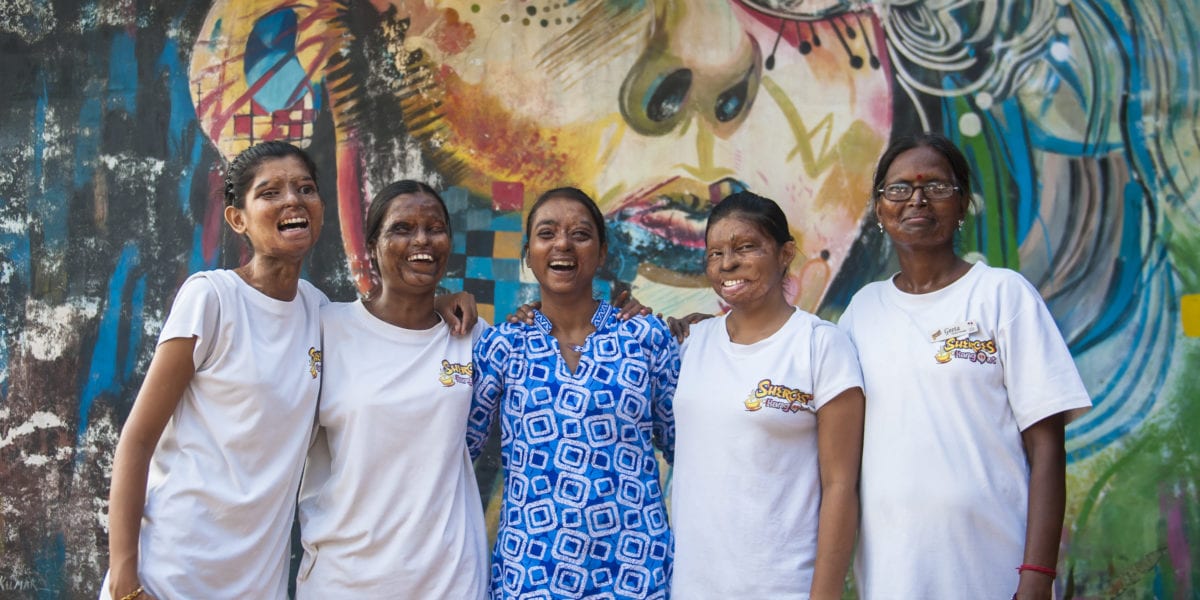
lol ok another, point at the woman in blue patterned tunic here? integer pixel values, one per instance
(584, 398)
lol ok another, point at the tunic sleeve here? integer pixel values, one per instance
(489, 354)
(665, 375)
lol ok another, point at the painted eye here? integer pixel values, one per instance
(732, 101)
(665, 97)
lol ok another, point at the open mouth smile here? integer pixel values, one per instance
(293, 223)
(562, 264)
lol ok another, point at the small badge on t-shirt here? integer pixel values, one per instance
(779, 397)
(455, 373)
(314, 361)
(962, 329)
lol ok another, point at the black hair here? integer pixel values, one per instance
(935, 141)
(373, 222)
(760, 211)
(244, 167)
(569, 193)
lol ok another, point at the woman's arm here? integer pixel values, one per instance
(170, 371)
(1047, 500)
(489, 356)
(664, 377)
(839, 452)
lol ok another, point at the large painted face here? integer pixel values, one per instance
(655, 108)
(658, 109)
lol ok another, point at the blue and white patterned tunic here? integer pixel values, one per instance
(583, 512)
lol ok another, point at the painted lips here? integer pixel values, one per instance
(663, 224)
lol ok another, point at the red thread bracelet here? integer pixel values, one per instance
(1038, 569)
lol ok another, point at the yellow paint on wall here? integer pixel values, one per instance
(507, 244)
(1189, 308)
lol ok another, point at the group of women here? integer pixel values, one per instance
(937, 405)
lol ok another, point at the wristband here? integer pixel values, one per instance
(137, 593)
(1047, 571)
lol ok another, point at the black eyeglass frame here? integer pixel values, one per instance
(912, 189)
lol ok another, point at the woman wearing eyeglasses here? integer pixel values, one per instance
(967, 380)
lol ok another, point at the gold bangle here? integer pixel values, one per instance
(134, 594)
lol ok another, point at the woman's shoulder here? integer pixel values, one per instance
(644, 326)
(337, 311)
(308, 290)
(503, 330)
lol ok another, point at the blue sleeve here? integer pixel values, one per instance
(489, 355)
(664, 354)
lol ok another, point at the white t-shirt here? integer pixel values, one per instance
(221, 492)
(952, 378)
(746, 490)
(389, 507)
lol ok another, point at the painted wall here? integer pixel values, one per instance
(1079, 117)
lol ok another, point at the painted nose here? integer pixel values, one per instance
(699, 62)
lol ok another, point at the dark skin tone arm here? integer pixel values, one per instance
(170, 371)
(1047, 501)
(839, 452)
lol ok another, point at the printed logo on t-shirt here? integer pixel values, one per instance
(977, 351)
(314, 361)
(456, 373)
(781, 397)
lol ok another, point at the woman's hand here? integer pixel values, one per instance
(680, 328)
(458, 310)
(524, 313)
(119, 591)
(630, 307)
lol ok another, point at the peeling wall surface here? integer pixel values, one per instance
(1079, 118)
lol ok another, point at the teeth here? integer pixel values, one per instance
(562, 263)
(420, 257)
(294, 221)
(732, 282)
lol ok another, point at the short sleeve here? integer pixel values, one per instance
(1039, 372)
(835, 365)
(196, 313)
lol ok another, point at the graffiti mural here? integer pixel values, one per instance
(1079, 118)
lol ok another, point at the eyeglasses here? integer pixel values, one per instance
(934, 190)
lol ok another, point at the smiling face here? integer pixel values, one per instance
(661, 108)
(413, 244)
(744, 265)
(564, 249)
(281, 211)
(918, 221)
